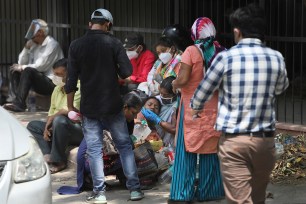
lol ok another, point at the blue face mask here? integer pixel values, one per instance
(168, 100)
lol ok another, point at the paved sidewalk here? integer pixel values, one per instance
(282, 194)
(159, 194)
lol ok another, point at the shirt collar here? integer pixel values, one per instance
(90, 31)
(250, 41)
(45, 41)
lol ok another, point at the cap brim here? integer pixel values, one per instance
(128, 45)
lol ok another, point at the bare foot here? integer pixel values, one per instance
(57, 166)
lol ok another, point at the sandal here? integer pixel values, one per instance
(57, 168)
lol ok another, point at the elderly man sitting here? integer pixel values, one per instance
(34, 68)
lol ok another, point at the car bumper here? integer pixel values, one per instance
(35, 191)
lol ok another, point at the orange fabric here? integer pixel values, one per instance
(199, 134)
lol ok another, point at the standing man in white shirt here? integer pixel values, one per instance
(34, 68)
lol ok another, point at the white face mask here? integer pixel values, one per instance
(132, 54)
(58, 81)
(165, 57)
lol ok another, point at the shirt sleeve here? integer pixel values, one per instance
(73, 72)
(151, 74)
(187, 56)
(77, 97)
(282, 81)
(23, 57)
(53, 101)
(209, 84)
(125, 68)
(153, 71)
(145, 68)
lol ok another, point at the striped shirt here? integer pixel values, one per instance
(248, 76)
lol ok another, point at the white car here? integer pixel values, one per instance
(24, 175)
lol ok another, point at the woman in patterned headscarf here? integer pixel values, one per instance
(196, 138)
(203, 34)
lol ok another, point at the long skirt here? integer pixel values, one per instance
(183, 185)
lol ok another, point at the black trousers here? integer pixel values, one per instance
(22, 82)
(64, 133)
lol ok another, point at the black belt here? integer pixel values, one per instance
(252, 134)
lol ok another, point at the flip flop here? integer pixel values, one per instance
(54, 168)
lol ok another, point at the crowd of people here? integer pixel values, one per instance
(213, 106)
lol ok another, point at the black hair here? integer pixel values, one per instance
(60, 63)
(144, 46)
(250, 20)
(167, 84)
(143, 96)
(100, 21)
(132, 100)
(166, 42)
(153, 97)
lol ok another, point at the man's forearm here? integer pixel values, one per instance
(70, 99)
(48, 122)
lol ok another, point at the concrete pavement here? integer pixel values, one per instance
(282, 194)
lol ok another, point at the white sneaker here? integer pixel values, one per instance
(136, 195)
(97, 198)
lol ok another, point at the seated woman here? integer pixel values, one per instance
(112, 164)
(154, 105)
(59, 131)
(167, 65)
(167, 128)
(141, 59)
(165, 119)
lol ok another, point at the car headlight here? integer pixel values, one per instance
(30, 166)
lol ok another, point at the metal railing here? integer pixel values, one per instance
(68, 20)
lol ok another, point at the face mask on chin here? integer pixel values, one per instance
(168, 100)
(165, 57)
(58, 81)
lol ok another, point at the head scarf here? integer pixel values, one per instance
(203, 34)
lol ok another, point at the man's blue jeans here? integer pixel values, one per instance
(93, 134)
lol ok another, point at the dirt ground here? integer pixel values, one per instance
(290, 167)
(292, 180)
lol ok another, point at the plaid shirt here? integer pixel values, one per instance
(248, 76)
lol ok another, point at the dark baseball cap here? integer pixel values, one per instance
(132, 40)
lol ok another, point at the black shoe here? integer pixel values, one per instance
(12, 107)
(170, 201)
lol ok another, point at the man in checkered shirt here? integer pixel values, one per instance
(247, 76)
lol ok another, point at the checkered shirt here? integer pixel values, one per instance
(247, 76)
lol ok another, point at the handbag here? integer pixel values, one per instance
(145, 159)
(108, 144)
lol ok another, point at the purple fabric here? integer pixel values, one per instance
(82, 168)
